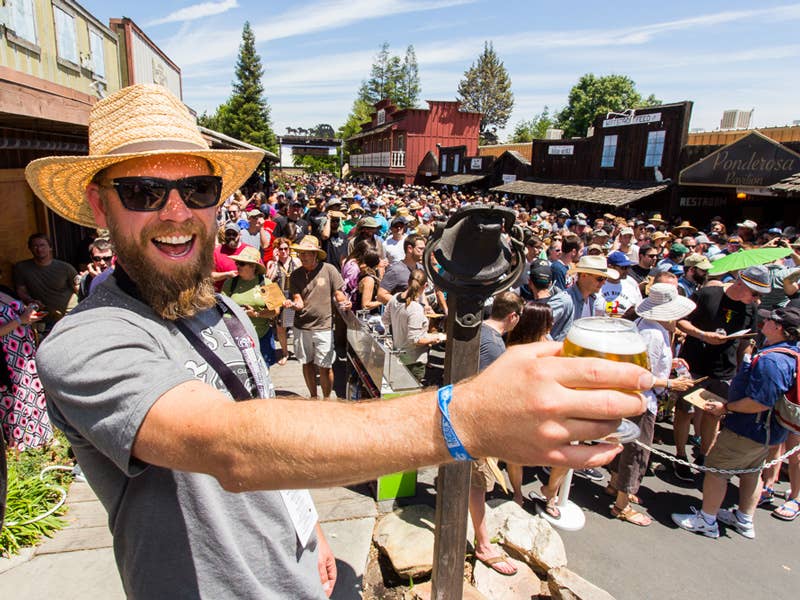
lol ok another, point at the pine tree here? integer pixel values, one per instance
(245, 116)
(407, 93)
(486, 88)
(384, 77)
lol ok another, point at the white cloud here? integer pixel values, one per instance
(197, 11)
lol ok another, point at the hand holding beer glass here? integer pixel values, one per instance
(611, 339)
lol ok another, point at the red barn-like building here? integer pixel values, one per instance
(400, 145)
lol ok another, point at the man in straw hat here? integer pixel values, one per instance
(312, 288)
(156, 425)
(591, 273)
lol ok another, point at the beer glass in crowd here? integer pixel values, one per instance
(612, 339)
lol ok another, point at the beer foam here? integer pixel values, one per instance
(603, 334)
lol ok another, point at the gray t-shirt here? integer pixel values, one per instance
(176, 534)
(492, 346)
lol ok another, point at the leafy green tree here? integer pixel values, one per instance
(245, 115)
(486, 88)
(593, 96)
(534, 128)
(318, 164)
(407, 86)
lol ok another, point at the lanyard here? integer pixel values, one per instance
(243, 341)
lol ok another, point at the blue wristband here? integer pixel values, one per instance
(454, 445)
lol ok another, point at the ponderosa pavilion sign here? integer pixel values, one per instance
(753, 161)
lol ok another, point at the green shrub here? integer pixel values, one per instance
(30, 496)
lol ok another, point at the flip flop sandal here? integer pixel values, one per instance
(766, 497)
(551, 508)
(496, 560)
(793, 513)
(630, 515)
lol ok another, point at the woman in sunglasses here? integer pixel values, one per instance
(278, 270)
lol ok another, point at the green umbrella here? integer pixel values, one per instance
(747, 258)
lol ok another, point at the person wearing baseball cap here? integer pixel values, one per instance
(695, 273)
(750, 430)
(393, 245)
(710, 352)
(540, 283)
(620, 293)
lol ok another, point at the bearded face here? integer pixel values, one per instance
(172, 290)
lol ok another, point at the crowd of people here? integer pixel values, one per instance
(183, 417)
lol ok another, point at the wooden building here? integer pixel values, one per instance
(142, 61)
(632, 158)
(392, 146)
(56, 60)
(738, 175)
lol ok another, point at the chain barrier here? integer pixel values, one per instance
(695, 467)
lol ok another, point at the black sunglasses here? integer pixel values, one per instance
(145, 194)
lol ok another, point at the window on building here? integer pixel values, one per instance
(20, 16)
(443, 166)
(655, 148)
(455, 162)
(98, 58)
(66, 40)
(609, 151)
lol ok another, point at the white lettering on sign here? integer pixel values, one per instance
(635, 120)
(476, 164)
(561, 150)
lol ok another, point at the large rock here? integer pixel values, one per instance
(566, 585)
(490, 583)
(527, 537)
(406, 538)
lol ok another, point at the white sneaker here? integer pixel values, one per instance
(695, 523)
(728, 517)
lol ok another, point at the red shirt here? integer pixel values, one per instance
(223, 261)
(268, 226)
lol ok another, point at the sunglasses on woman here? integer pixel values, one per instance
(146, 194)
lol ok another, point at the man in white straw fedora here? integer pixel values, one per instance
(591, 273)
(158, 387)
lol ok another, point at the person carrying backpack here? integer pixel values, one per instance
(751, 425)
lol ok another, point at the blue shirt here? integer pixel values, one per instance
(770, 378)
(559, 274)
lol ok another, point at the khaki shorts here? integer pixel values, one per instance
(482, 476)
(733, 451)
(314, 346)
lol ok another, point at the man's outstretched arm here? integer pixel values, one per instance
(525, 408)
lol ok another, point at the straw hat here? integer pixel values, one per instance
(684, 226)
(250, 256)
(309, 243)
(664, 304)
(594, 264)
(136, 121)
(656, 219)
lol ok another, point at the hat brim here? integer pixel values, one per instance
(259, 267)
(320, 252)
(673, 310)
(610, 273)
(761, 289)
(60, 181)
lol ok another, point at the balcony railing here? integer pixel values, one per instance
(394, 159)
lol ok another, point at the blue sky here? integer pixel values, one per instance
(720, 54)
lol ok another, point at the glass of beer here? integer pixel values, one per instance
(612, 339)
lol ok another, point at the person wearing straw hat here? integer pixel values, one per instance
(591, 273)
(684, 229)
(658, 314)
(245, 289)
(157, 425)
(312, 288)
